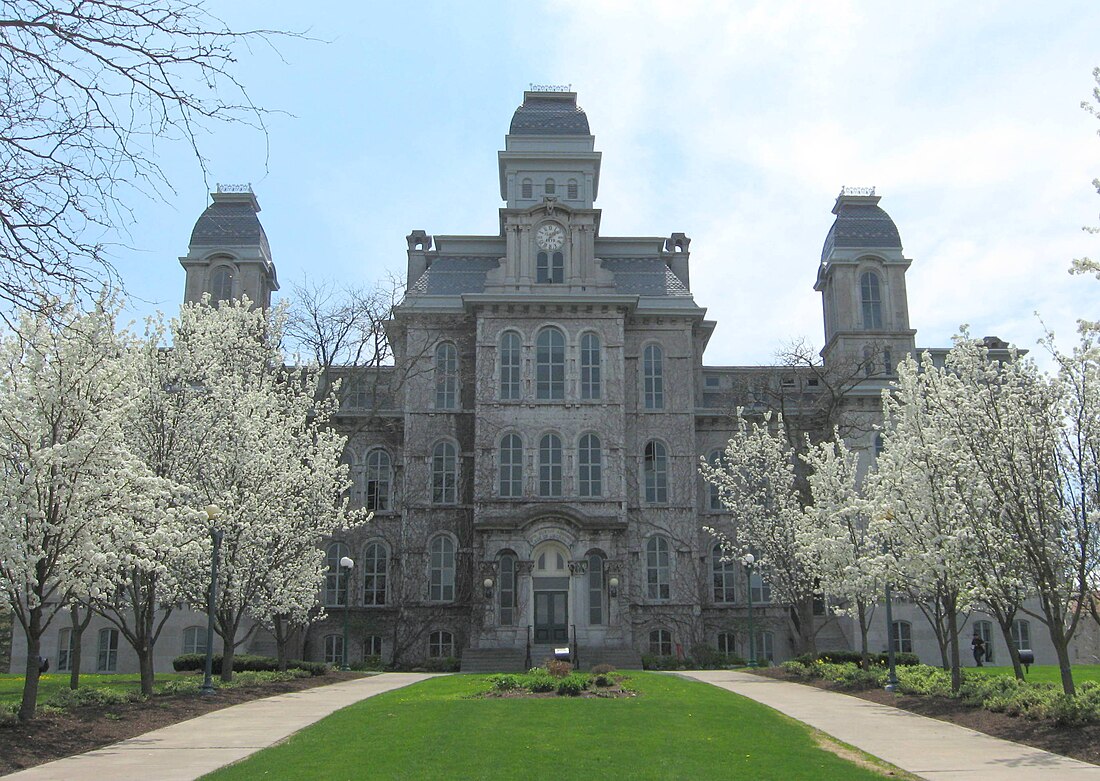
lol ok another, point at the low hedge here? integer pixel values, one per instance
(245, 662)
(901, 658)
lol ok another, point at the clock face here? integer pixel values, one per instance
(550, 237)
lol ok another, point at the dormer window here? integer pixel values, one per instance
(550, 187)
(526, 189)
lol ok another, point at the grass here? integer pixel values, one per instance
(435, 730)
(1044, 672)
(11, 686)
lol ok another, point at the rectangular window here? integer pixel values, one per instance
(107, 656)
(590, 367)
(653, 377)
(65, 650)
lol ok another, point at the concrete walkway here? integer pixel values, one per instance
(190, 749)
(929, 748)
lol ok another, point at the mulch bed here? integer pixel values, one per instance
(1080, 742)
(608, 692)
(74, 731)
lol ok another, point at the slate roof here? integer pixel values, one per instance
(549, 117)
(859, 225)
(458, 274)
(453, 276)
(645, 277)
(229, 223)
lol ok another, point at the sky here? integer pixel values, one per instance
(736, 123)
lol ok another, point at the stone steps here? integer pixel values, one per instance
(619, 658)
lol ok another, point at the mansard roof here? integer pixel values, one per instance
(549, 114)
(860, 224)
(457, 275)
(230, 221)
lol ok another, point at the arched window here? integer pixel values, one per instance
(511, 466)
(446, 376)
(571, 190)
(194, 640)
(550, 188)
(723, 576)
(870, 295)
(727, 644)
(660, 642)
(107, 651)
(336, 584)
(377, 478)
(221, 284)
(714, 496)
(372, 646)
(657, 568)
(334, 650)
(550, 365)
(655, 472)
(765, 646)
(510, 357)
(526, 189)
(901, 637)
(550, 465)
(984, 630)
(506, 589)
(1021, 634)
(590, 367)
(653, 377)
(441, 580)
(375, 571)
(441, 645)
(65, 650)
(590, 466)
(596, 589)
(444, 474)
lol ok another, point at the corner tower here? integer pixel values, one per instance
(229, 256)
(862, 284)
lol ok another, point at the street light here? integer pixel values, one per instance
(748, 560)
(487, 584)
(213, 513)
(345, 565)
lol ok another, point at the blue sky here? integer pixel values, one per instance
(736, 123)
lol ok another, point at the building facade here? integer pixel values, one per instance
(532, 456)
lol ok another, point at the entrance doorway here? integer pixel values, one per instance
(551, 617)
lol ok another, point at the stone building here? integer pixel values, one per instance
(532, 455)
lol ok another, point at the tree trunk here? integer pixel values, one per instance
(1061, 648)
(282, 632)
(953, 644)
(33, 630)
(78, 627)
(1013, 653)
(861, 608)
(228, 652)
(145, 668)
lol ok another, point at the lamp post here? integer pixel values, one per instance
(748, 560)
(213, 513)
(345, 566)
(613, 587)
(487, 584)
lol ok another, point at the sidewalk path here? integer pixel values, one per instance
(932, 749)
(190, 749)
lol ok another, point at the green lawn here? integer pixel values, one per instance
(433, 730)
(1044, 672)
(11, 686)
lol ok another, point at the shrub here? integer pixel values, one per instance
(538, 681)
(849, 675)
(504, 683)
(441, 664)
(924, 679)
(558, 668)
(602, 675)
(245, 662)
(652, 662)
(797, 669)
(179, 686)
(901, 658)
(371, 663)
(602, 669)
(87, 695)
(572, 685)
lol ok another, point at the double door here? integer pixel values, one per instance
(551, 617)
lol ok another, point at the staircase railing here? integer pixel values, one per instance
(576, 650)
(527, 658)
